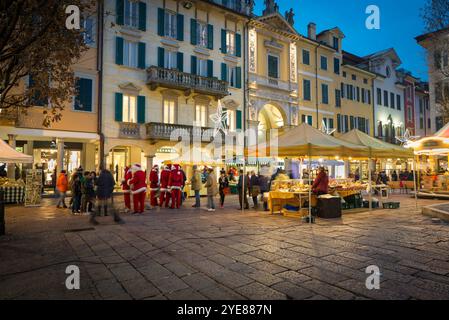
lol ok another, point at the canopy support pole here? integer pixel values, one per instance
(370, 206)
(309, 168)
(414, 182)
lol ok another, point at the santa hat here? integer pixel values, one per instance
(136, 167)
(155, 167)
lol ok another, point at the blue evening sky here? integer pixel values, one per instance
(400, 24)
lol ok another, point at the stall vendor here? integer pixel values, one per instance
(321, 184)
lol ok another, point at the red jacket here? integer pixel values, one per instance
(321, 183)
(128, 176)
(176, 180)
(138, 182)
(154, 179)
(165, 177)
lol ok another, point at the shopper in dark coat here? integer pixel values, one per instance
(105, 188)
(223, 187)
(243, 187)
(75, 188)
(264, 187)
(254, 188)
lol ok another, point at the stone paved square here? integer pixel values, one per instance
(227, 254)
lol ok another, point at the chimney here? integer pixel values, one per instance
(311, 31)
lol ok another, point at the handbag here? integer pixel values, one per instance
(255, 191)
(226, 190)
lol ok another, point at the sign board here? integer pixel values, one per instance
(33, 188)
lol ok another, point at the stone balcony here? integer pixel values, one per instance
(189, 83)
(129, 130)
(163, 131)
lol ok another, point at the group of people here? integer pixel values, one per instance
(90, 193)
(253, 186)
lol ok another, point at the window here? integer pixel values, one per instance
(354, 77)
(169, 111)
(170, 59)
(336, 66)
(365, 81)
(306, 88)
(385, 98)
(88, 26)
(305, 57)
(392, 100)
(129, 108)
(131, 13)
(441, 58)
(335, 43)
(307, 119)
(230, 42)
(342, 90)
(273, 66)
(421, 122)
(428, 123)
(358, 94)
(337, 98)
(232, 76)
(201, 115)
(201, 67)
(379, 96)
(323, 63)
(369, 96)
(83, 98)
(170, 28)
(388, 71)
(344, 74)
(325, 93)
(201, 36)
(398, 102)
(130, 54)
(231, 120)
(363, 95)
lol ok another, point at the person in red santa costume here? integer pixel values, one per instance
(165, 193)
(138, 188)
(175, 184)
(154, 185)
(126, 189)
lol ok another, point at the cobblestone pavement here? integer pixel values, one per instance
(194, 254)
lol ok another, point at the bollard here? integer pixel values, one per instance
(2, 213)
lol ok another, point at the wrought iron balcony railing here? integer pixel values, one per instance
(189, 83)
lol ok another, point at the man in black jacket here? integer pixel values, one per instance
(105, 188)
(242, 187)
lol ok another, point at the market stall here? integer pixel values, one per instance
(14, 190)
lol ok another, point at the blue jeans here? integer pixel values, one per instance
(210, 202)
(197, 198)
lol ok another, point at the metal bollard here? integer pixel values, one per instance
(2, 213)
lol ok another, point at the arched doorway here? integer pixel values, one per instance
(270, 117)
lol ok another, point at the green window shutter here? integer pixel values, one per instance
(142, 16)
(210, 68)
(118, 107)
(210, 36)
(238, 75)
(310, 120)
(141, 56)
(119, 8)
(336, 66)
(351, 122)
(223, 41)
(238, 45)
(224, 72)
(193, 27)
(306, 85)
(119, 51)
(141, 109)
(193, 62)
(160, 57)
(180, 27)
(238, 117)
(160, 22)
(180, 61)
(83, 100)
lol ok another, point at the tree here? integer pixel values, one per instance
(435, 15)
(35, 43)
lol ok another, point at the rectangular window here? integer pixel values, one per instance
(230, 42)
(369, 96)
(336, 66)
(273, 66)
(398, 102)
(305, 57)
(379, 96)
(354, 77)
(363, 95)
(307, 119)
(170, 59)
(131, 13)
(323, 63)
(325, 93)
(83, 98)
(201, 115)
(232, 76)
(385, 98)
(201, 36)
(169, 111)
(129, 108)
(392, 100)
(358, 94)
(306, 88)
(170, 28)
(201, 67)
(130, 53)
(88, 26)
(337, 98)
(335, 43)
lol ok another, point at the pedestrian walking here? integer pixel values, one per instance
(105, 189)
(264, 184)
(212, 190)
(164, 197)
(61, 187)
(126, 188)
(223, 187)
(196, 185)
(254, 188)
(242, 187)
(76, 193)
(154, 185)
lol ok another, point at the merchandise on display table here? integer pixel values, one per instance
(11, 183)
(33, 190)
(294, 186)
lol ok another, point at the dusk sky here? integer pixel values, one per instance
(400, 24)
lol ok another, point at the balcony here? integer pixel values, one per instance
(129, 130)
(163, 131)
(189, 83)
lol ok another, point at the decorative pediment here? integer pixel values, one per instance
(130, 87)
(277, 21)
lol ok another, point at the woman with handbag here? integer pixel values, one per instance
(223, 183)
